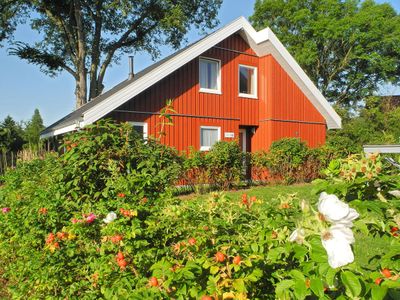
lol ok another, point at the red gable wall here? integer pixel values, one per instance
(284, 109)
(278, 98)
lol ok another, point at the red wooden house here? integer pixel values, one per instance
(235, 83)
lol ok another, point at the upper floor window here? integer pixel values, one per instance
(247, 81)
(210, 75)
(140, 128)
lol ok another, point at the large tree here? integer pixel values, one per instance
(349, 48)
(84, 37)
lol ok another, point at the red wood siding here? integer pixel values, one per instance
(278, 99)
(194, 108)
(284, 110)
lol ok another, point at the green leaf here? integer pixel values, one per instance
(330, 277)
(352, 284)
(254, 247)
(214, 270)
(282, 287)
(238, 284)
(297, 275)
(378, 292)
(300, 290)
(317, 286)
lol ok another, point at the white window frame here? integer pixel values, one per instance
(255, 83)
(211, 91)
(145, 128)
(207, 148)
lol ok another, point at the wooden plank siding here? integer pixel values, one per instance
(284, 110)
(278, 99)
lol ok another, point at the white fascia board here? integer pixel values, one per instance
(138, 86)
(58, 131)
(290, 65)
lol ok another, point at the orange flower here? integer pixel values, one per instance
(43, 211)
(116, 239)
(62, 235)
(219, 257)
(386, 272)
(50, 238)
(237, 259)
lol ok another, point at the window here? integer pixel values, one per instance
(140, 128)
(247, 81)
(209, 136)
(210, 73)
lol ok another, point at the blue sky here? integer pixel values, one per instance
(23, 87)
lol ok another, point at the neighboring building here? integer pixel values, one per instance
(235, 83)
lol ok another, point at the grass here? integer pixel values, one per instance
(303, 191)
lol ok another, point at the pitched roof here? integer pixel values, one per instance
(74, 117)
(263, 43)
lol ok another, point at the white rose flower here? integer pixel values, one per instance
(111, 216)
(348, 220)
(336, 211)
(336, 242)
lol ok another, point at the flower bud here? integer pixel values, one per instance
(305, 206)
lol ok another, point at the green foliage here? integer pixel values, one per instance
(290, 160)
(225, 164)
(221, 167)
(177, 242)
(359, 177)
(106, 158)
(346, 47)
(55, 243)
(85, 37)
(11, 135)
(376, 123)
(33, 129)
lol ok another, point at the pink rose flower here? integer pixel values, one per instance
(90, 218)
(5, 210)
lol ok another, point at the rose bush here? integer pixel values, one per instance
(119, 234)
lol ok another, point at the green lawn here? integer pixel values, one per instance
(303, 191)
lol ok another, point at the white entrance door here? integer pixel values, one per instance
(243, 140)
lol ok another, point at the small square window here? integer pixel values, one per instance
(247, 81)
(140, 128)
(209, 73)
(209, 136)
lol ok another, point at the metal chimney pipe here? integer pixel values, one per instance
(131, 74)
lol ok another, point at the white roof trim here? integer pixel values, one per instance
(59, 131)
(381, 148)
(263, 43)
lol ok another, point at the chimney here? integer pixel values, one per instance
(131, 74)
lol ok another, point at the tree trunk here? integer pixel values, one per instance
(80, 90)
(81, 87)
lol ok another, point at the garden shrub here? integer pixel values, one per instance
(107, 158)
(123, 247)
(220, 168)
(104, 168)
(225, 165)
(359, 176)
(290, 160)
